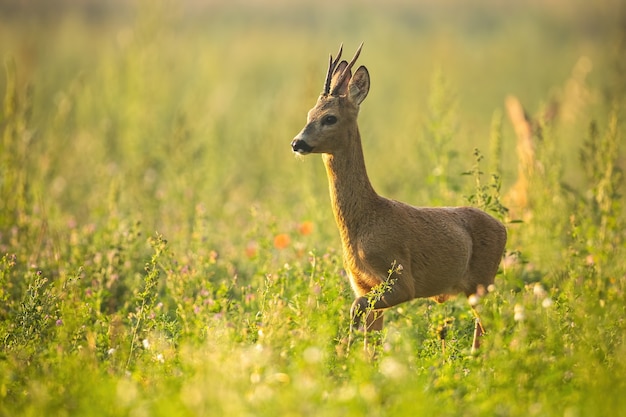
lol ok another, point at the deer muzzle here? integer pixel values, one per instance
(299, 146)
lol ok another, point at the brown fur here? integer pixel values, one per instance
(442, 251)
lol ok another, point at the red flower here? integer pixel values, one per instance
(281, 241)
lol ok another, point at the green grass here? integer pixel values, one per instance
(163, 253)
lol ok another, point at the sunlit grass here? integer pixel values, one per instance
(163, 253)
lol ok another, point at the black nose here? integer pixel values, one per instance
(301, 147)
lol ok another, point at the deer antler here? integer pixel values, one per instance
(346, 71)
(331, 68)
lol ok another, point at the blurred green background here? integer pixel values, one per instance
(171, 104)
(162, 252)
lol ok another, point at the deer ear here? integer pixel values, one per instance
(359, 85)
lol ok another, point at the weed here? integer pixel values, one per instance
(602, 206)
(143, 316)
(115, 124)
(486, 196)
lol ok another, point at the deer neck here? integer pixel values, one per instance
(351, 193)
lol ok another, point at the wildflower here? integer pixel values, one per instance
(59, 322)
(316, 289)
(305, 228)
(300, 248)
(281, 241)
(473, 300)
(312, 355)
(280, 377)
(159, 358)
(110, 351)
(519, 312)
(539, 291)
(510, 260)
(249, 298)
(252, 249)
(71, 223)
(145, 343)
(391, 368)
(255, 377)
(547, 302)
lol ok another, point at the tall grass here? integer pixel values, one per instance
(162, 252)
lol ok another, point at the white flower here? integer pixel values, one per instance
(519, 312)
(145, 343)
(312, 354)
(539, 291)
(473, 300)
(391, 368)
(547, 302)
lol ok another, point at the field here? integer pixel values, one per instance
(163, 253)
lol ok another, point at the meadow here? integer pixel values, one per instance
(163, 253)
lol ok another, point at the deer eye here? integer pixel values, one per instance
(329, 120)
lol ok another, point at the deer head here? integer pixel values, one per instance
(336, 110)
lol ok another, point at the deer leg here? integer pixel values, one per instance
(365, 318)
(358, 309)
(479, 330)
(370, 310)
(374, 320)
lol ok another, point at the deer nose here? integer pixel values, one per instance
(301, 147)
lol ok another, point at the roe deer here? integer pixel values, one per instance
(442, 251)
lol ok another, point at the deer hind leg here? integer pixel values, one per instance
(474, 295)
(483, 275)
(479, 330)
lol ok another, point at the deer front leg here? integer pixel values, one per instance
(370, 307)
(362, 311)
(361, 308)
